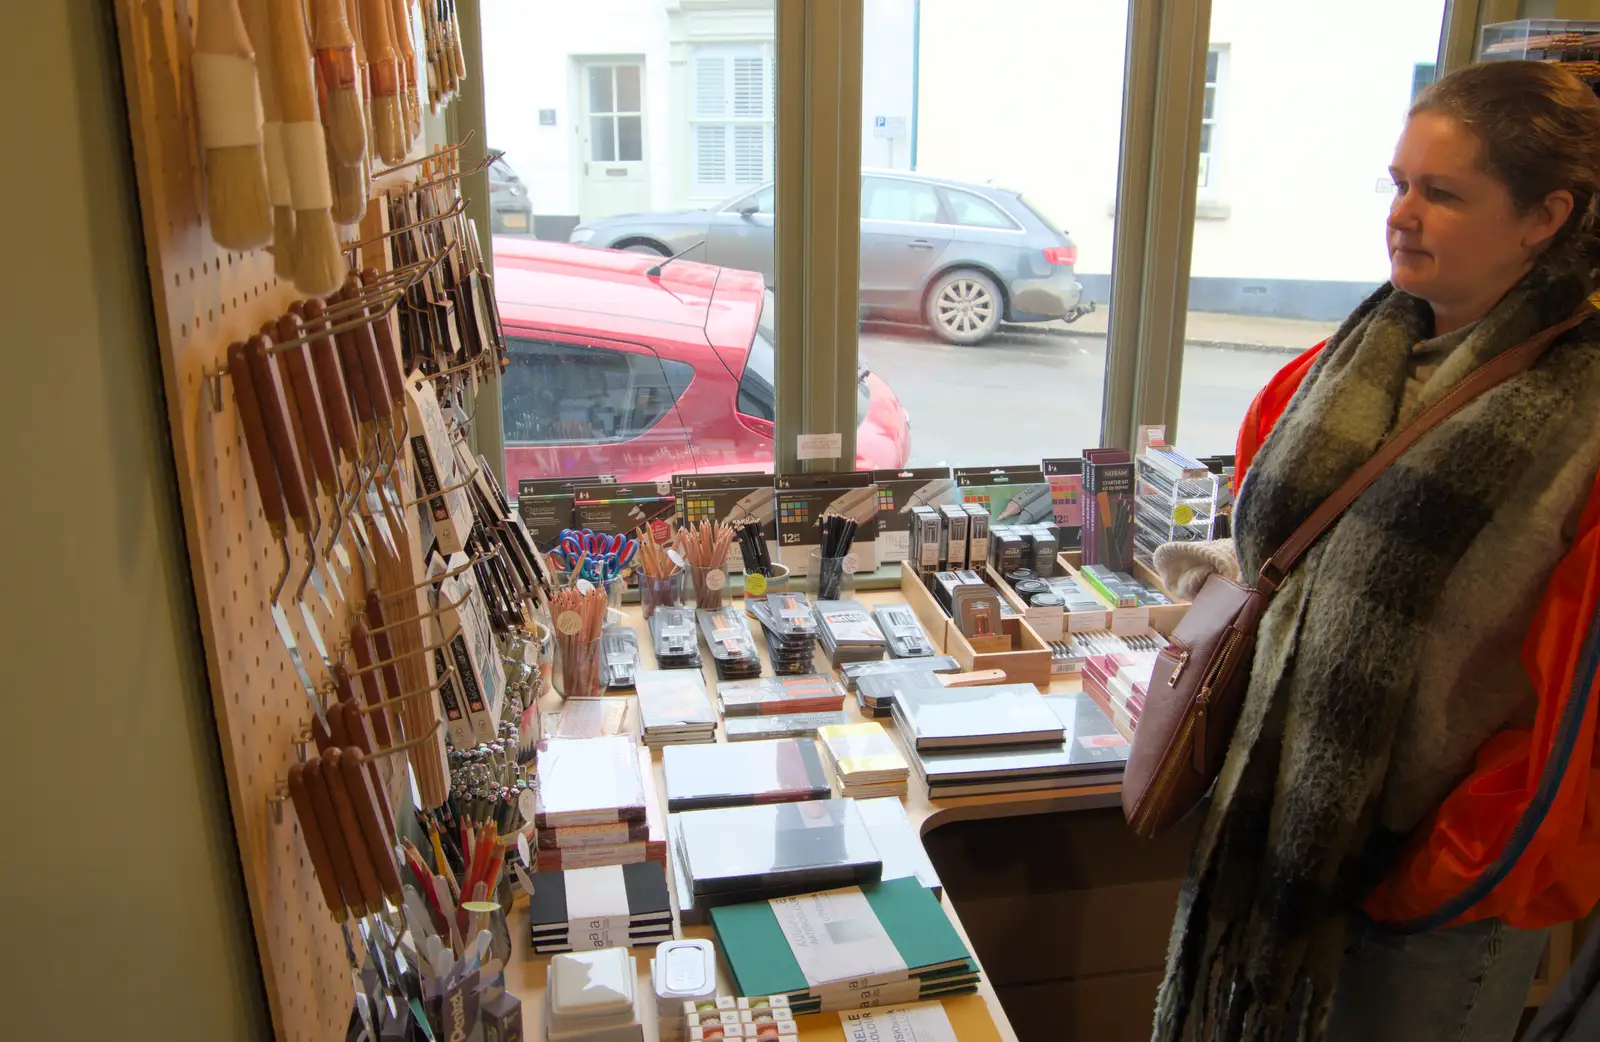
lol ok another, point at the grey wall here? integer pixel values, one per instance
(124, 912)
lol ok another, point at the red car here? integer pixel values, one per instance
(616, 371)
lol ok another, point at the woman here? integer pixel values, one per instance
(1387, 664)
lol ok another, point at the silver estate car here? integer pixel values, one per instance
(959, 256)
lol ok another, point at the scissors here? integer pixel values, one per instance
(594, 555)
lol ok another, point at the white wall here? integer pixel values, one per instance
(530, 53)
(886, 76)
(1030, 94)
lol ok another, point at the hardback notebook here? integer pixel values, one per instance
(897, 841)
(796, 725)
(1093, 751)
(616, 898)
(737, 774)
(964, 1017)
(787, 848)
(976, 717)
(589, 781)
(893, 930)
(674, 698)
(652, 848)
(865, 759)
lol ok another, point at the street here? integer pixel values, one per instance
(1025, 395)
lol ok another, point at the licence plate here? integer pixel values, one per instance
(516, 220)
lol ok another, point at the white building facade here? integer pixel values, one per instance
(617, 106)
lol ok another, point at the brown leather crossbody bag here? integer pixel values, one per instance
(1200, 678)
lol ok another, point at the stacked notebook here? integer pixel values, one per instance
(888, 941)
(789, 725)
(625, 841)
(733, 775)
(850, 675)
(589, 781)
(964, 1017)
(737, 854)
(591, 908)
(848, 632)
(865, 760)
(895, 839)
(1118, 683)
(937, 717)
(809, 693)
(876, 691)
(674, 708)
(790, 630)
(1092, 752)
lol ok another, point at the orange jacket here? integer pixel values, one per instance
(1557, 879)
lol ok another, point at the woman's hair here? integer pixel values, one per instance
(1539, 126)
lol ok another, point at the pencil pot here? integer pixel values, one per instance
(777, 581)
(664, 591)
(710, 585)
(830, 578)
(578, 615)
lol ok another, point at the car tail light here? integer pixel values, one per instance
(1061, 255)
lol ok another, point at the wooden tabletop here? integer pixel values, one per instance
(525, 975)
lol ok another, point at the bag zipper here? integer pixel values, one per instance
(1192, 733)
(1177, 671)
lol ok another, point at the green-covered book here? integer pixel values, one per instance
(912, 940)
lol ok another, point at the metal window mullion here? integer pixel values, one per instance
(817, 226)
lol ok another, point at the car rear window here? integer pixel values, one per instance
(1048, 221)
(758, 395)
(557, 393)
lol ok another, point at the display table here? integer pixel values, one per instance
(525, 975)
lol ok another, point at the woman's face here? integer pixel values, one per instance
(1455, 238)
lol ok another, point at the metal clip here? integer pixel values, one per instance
(275, 802)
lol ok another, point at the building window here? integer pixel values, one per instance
(616, 113)
(735, 94)
(1422, 74)
(1208, 116)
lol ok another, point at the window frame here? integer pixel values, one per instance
(1208, 181)
(615, 115)
(731, 51)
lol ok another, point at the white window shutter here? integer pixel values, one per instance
(749, 153)
(711, 154)
(710, 87)
(749, 87)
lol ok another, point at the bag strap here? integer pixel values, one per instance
(1495, 371)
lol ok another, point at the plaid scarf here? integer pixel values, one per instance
(1289, 846)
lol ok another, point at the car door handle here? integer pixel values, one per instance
(920, 244)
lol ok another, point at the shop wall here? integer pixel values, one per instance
(125, 913)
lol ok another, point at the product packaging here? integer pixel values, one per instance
(620, 509)
(1065, 477)
(900, 492)
(1016, 495)
(804, 498)
(1108, 508)
(955, 536)
(546, 505)
(927, 539)
(730, 498)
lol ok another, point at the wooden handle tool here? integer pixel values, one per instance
(371, 683)
(388, 354)
(309, 408)
(350, 830)
(228, 109)
(352, 764)
(255, 441)
(344, 869)
(269, 395)
(316, 842)
(335, 395)
(355, 730)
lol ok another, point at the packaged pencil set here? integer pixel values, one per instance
(1108, 508)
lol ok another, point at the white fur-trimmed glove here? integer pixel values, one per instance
(1185, 567)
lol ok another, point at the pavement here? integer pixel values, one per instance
(1215, 330)
(1035, 391)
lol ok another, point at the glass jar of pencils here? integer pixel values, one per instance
(660, 591)
(830, 578)
(710, 584)
(578, 614)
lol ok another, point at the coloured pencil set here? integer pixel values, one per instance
(458, 907)
(579, 614)
(1108, 508)
(706, 546)
(753, 548)
(838, 532)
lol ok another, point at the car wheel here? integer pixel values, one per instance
(964, 307)
(645, 247)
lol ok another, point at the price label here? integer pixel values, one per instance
(585, 587)
(850, 564)
(1183, 514)
(568, 622)
(528, 804)
(675, 557)
(755, 585)
(716, 579)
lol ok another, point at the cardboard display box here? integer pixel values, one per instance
(1027, 663)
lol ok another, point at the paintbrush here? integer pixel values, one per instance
(278, 193)
(340, 103)
(388, 130)
(228, 104)
(318, 264)
(408, 67)
(364, 89)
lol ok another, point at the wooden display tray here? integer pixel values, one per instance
(1163, 617)
(1027, 663)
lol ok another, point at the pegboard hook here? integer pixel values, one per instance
(463, 483)
(392, 660)
(276, 800)
(435, 613)
(409, 695)
(213, 380)
(430, 156)
(409, 743)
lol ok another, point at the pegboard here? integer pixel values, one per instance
(206, 297)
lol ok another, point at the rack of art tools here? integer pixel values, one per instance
(305, 526)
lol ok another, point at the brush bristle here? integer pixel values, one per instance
(318, 265)
(346, 127)
(349, 193)
(389, 128)
(283, 242)
(236, 197)
(413, 112)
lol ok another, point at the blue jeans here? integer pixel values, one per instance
(1461, 984)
